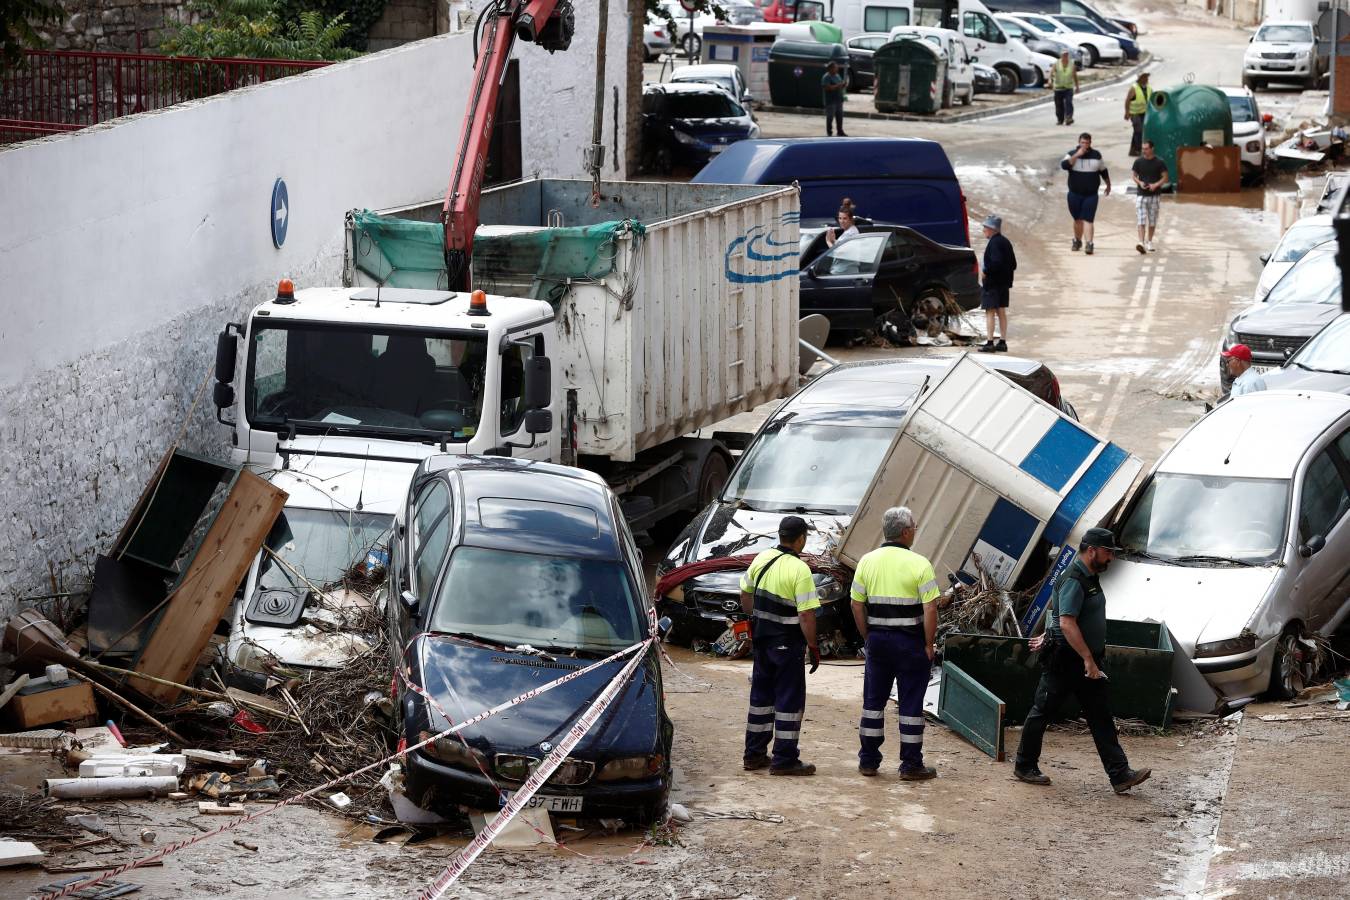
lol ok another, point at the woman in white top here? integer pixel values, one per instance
(846, 228)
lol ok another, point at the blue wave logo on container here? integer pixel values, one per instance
(762, 246)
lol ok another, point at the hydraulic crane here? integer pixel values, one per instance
(548, 23)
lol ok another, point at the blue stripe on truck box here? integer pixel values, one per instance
(1083, 493)
(1058, 454)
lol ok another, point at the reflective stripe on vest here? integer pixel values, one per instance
(1139, 99)
(894, 596)
(770, 606)
(1061, 76)
(894, 612)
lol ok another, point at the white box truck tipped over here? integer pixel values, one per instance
(990, 470)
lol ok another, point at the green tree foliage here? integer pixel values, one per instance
(257, 28)
(360, 16)
(19, 21)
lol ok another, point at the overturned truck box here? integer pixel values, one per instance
(998, 480)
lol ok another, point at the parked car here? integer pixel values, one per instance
(986, 80)
(1297, 240)
(1039, 41)
(988, 44)
(505, 574)
(861, 277)
(1322, 364)
(1282, 51)
(689, 124)
(687, 35)
(814, 457)
(1083, 25)
(1096, 48)
(1238, 539)
(1249, 132)
(655, 38)
(1300, 303)
(723, 75)
(861, 74)
(908, 181)
(960, 81)
(1107, 24)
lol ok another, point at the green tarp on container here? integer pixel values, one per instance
(537, 262)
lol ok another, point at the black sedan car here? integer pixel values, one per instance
(688, 123)
(814, 457)
(861, 73)
(1322, 364)
(504, 575)
(1305, 299)
(866, 275)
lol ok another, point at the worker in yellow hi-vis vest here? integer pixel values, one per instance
(1136, 107)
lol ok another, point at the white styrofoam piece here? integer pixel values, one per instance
(19, 853)
(133, 764)
(518, 833)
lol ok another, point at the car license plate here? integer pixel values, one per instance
(716, 149)
(1261, 370)
(1279, 65)
(551, 803)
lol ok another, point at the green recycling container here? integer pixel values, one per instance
(910, 73)
(795, 70)
(1188, 115)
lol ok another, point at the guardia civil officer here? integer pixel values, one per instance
(779, 590)
(893, 593)
(1072, 650)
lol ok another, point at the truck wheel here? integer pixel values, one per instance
(1008, 79)
(1292, 669)
(947, 92)
(712, 478)
(969, 96)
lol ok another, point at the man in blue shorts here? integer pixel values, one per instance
(1086, 171)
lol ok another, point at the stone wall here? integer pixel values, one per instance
(116, 25)
(404, 21)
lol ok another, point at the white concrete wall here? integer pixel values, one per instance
(125, 248)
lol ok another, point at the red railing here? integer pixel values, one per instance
(65, 90)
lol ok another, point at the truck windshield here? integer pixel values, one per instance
(365, 380)
(320, 546)
(1297, 34)
(1208, 519)
(821, 468)
(545, 601)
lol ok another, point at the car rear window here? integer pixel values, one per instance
(712, 105)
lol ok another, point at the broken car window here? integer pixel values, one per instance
(809, 466)
(319, 544)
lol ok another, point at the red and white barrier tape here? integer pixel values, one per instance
(532, 784)
(170, 849)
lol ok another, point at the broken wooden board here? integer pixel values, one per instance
(207, 588)
(971, 710)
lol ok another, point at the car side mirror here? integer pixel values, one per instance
(227, 350)
(409, 602)
(1265, 258)
(1315, 544)
(538, 382)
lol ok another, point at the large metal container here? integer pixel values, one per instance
(747, 48)
(1188, 115)
(910, 74)
(696, 322)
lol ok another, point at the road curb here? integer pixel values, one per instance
(1047, 97)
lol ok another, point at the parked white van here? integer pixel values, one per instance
(960, 71)
(1238, 540)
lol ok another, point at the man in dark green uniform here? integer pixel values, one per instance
(1072, 650)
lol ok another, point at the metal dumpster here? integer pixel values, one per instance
(910, 74)
(1138, 661)
(795, 70)
(1189, 115)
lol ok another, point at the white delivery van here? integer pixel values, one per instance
(985, 39)
(855, 17)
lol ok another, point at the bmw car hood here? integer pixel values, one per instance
(1294, 319)
(1199, 604)
(466, 679)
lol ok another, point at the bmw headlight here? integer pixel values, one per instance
(685, 138)
(1243, 643)
(628, 768)
(452, 751)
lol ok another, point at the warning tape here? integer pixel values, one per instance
(170, 849)
(532, 784)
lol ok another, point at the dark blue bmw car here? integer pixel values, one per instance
(687, 123)
(505, 575)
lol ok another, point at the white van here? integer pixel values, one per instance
(985, 40)
(960, 71)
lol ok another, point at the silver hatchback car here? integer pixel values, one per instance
(1238, 540)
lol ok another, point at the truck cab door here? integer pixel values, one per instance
(516, 352)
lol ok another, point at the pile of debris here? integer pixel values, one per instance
(982, 608)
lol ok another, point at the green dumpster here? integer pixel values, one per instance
(910, 74)
(795, 70)
(1188, 115)
(1138, 660)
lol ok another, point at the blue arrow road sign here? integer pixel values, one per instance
(281, 213)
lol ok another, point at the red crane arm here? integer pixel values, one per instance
(503, 23)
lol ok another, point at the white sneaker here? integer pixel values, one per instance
(1148, 245)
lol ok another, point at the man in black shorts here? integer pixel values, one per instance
(999, 264)
(1086, 171)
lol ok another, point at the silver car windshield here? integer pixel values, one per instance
(818, 468)
(1314, 279)
(1328, 351)
(1209, 519)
